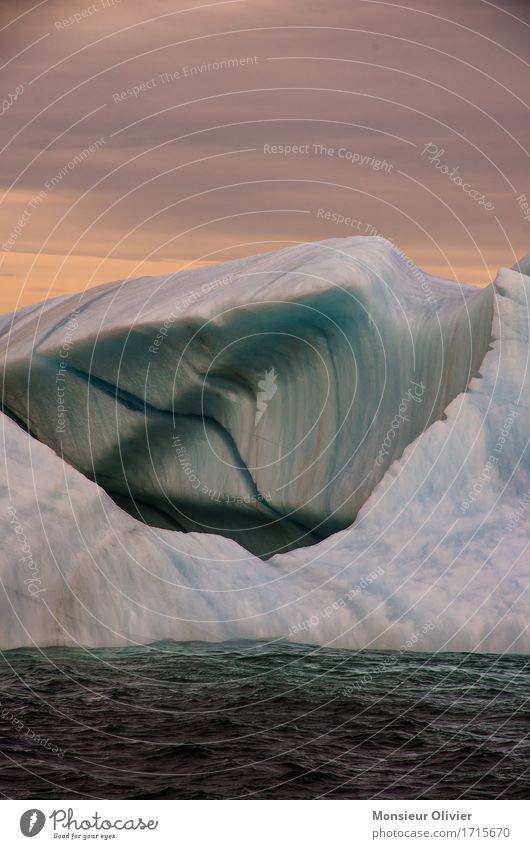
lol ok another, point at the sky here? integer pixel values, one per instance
(140, 138)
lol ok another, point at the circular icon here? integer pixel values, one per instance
(31, 822)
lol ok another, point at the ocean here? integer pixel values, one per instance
(254, 720)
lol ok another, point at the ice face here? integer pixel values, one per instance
(262, 399)
(435, 559)
(523, 265)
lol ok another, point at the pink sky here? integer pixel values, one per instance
(140, 137)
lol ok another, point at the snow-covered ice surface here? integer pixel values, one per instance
(317, 388)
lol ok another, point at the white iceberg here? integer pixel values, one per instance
(358, 424)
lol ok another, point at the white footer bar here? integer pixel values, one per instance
(252, 824)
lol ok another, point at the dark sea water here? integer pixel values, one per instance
(266, 721)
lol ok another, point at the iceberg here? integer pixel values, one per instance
(262, 400)
(322, 444)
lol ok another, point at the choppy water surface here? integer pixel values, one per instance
(253, 720)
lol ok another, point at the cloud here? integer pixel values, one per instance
(185, 100)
